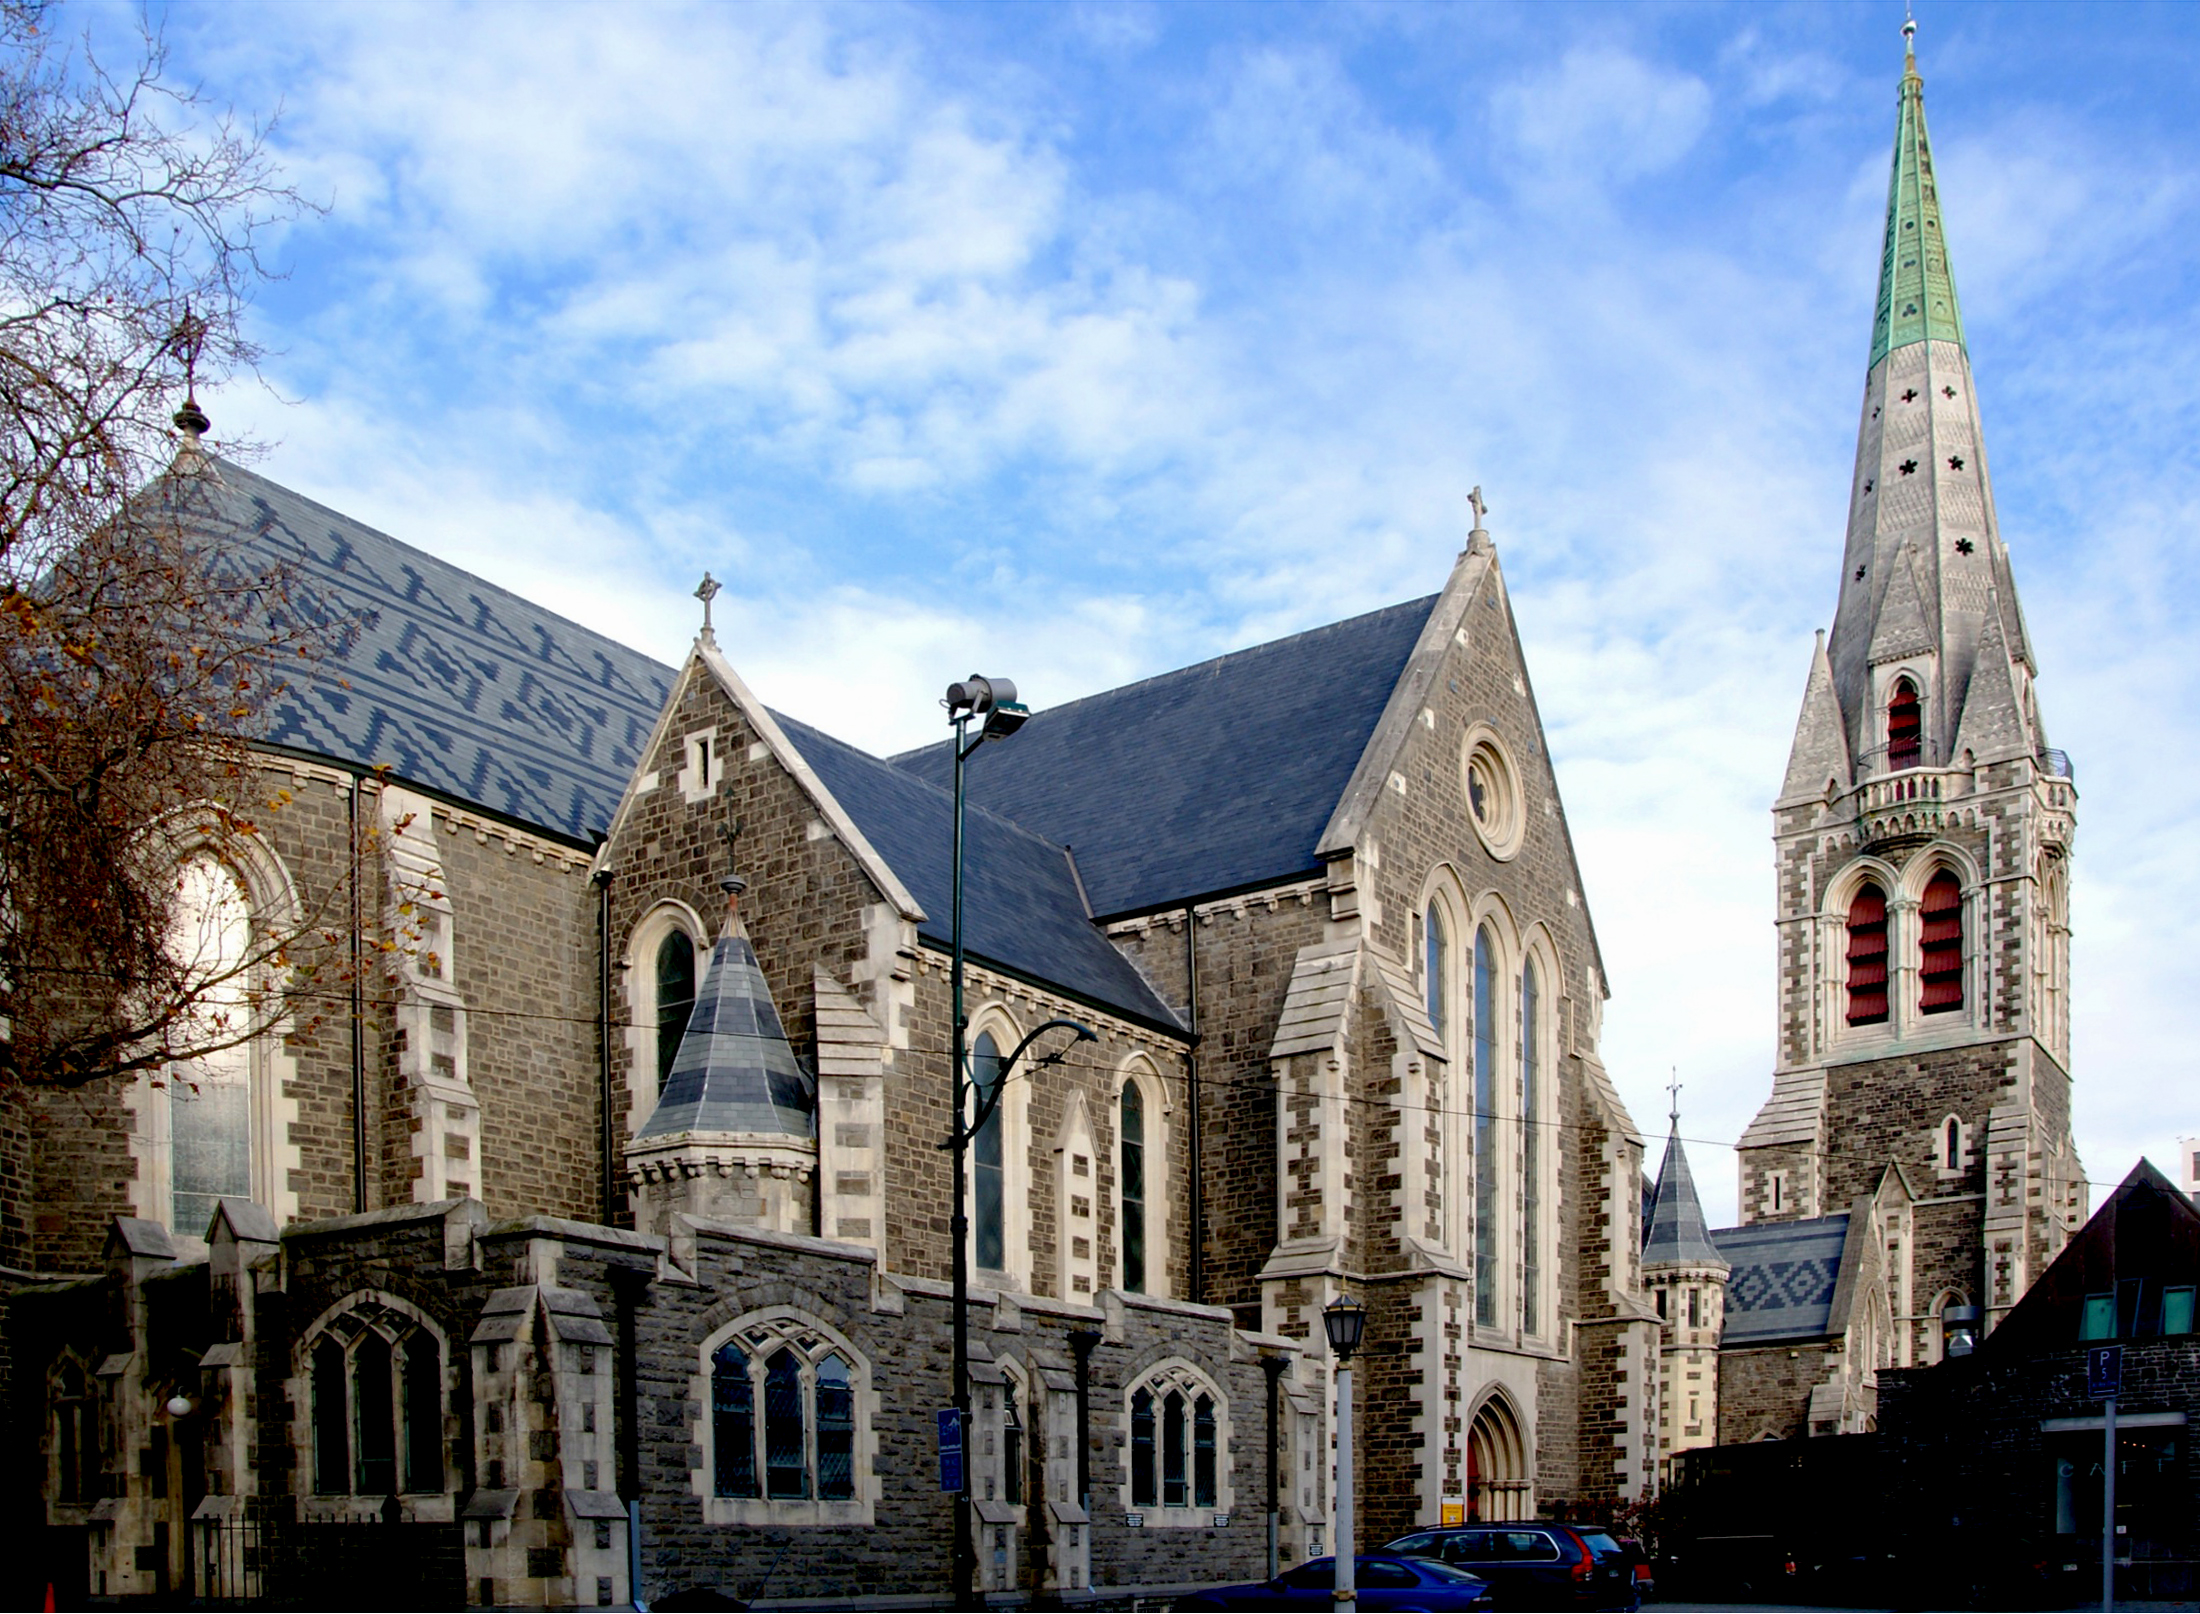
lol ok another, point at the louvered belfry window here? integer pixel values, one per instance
(1940, 960)
(1868, 956)
(1905, 727)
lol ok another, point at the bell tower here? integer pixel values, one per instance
(1923, 836)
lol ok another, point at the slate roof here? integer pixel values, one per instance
(1782, 1278)
(1021, 907)
(1674, 1234)
(1132, 779)
(735, 1071)
(454, 683)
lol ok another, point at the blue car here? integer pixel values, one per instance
(1387, 1584)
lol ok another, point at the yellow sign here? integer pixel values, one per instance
(1455, 1510)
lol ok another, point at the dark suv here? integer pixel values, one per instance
(1537, 1565)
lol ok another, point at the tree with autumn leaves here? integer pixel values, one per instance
(136, 656)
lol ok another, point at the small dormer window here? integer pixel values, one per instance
(1905, 727)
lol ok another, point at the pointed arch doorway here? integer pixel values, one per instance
(1497, 1465)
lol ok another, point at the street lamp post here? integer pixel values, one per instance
(992, 703)
(1344, 1319)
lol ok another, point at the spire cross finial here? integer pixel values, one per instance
(1474, 502)
(1673, 1095)
(187, 341)
(706, 591)
(1909, 32)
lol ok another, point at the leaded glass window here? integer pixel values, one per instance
(733, 1422)
(1143, 1492)
(1203, 1452)
(991, 1183)
(1485, 1129)
(1172, 1450)
(1132, 1189)
(210, 1097)
(675, 998)
(786, 1471)
(374, 1420)
(1531, 1150)
(836, 1431)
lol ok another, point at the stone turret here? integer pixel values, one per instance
(1686, 1276)
(734, 1135)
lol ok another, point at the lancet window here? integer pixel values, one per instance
(1131, 1186)
(1531, 1149)
(376, 1385)
(1486, 1166)
(1905, 727)
(1177, 1442)
(1867, 956)
(1940, 949)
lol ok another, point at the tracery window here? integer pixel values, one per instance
(1176, 1445)
(1867, 956)
(1940, 945)
(1131, 1186)
(989, 1169)
(376, 1385)
(783, 1414)
(675, 997)
(1905, 727)
(1531, 1150)
(1485, 1128)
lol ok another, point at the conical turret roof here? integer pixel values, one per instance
(735, 1071)
(1674, 1233)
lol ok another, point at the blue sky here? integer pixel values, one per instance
(1083, 341)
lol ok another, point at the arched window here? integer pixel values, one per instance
(1144, 1494)
(1951, 1147)
(1436, 964)
(1868, 956)
(1940, 950)
(787, 1423)
(1531, 1150)
(375, 1384)
(1179, 1447)
(675, 997)
(1905, 727)
(732, 1422)
(1485, 1128)
(210, 1097)
(1131, 1187)
(990, 1171)
(786, 1471)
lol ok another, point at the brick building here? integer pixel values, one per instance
(600, 1219)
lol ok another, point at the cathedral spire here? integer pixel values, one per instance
(1924, 566)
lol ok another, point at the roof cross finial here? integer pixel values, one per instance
(735, 882)
(1673, 1097)
(706, 591)
(1478, 540)
(187, 341)
(1909, 33)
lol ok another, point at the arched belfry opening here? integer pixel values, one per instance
(1497, 1465)
(1905, 727)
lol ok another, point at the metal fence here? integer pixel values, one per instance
(267, 1563)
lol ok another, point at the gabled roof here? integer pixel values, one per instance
(1673, 1234)
(454, 684)
(735, 1071)
(1782, 1278)
(1021, 907)
(1216, 777)
(2143, 1240)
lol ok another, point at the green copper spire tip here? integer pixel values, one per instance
(1917, 291)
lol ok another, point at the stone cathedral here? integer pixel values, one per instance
(1912, 1171)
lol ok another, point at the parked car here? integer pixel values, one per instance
(1533, 1565)
(1386, 1583)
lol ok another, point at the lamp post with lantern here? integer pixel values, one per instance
(1344, 1319)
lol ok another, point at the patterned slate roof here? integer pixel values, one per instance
(1673, 1233)
(1211, 778)
(1021, 905)
(735, 1071)
(1782, 1278)
(451, 682)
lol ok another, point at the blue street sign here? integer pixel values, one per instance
(2104, 1371)
(951, 1449)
